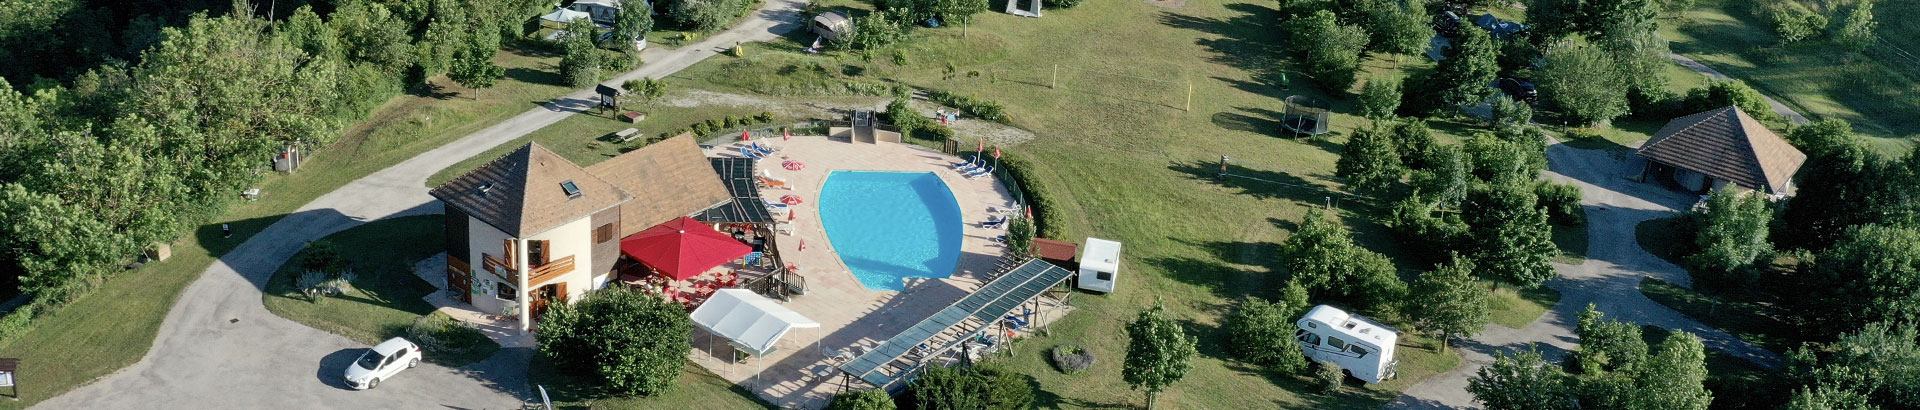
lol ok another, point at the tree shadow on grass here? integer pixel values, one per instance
(1261, 183)
(532, 76)
(1248, 41)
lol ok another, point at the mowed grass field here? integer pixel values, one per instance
(1124, 156)
(1876, 91)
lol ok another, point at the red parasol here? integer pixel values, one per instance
(682, 248)
(791, 212)
(786, 135)
(996, 152)
(791, 200)
(983, 146)
(743, 135)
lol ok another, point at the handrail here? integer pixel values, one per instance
(488, 261)
(543, 273)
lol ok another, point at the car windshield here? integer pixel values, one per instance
(371, 360)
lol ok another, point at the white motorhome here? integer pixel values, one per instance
(1361, 346)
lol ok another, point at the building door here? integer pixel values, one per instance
(461, 283)
(544, 295)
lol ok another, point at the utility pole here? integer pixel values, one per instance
(1056, 77)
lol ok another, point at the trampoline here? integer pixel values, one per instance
(1305, 116)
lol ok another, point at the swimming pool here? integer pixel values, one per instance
(889, 226)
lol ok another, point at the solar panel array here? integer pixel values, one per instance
(989, 303)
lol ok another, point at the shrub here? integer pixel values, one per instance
(715, 125)
(438, 333)
(730, 122)
(324, 257)
(634, 342)
(1562, 202)
(316, 284)
(1261, 333)
(1072, 358)
(700, 128)
(764, 117)
(987, 110)
(1061, 4)
(1329, 377)
(982, 386)
(939, 132)
(862, 400)
(1020, 236)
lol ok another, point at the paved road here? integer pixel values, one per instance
(1778, 108)
(219, 348)
(1609, 278)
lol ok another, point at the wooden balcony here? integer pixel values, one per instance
(498, 268)
(550, 271)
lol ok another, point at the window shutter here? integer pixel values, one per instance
(511, 255)
(546, 252)
(560, 292)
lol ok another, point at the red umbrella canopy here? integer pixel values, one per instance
(743, 135)
(682, 248)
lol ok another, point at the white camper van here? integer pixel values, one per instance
(1360, 345)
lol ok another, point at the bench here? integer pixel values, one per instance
(627, 135)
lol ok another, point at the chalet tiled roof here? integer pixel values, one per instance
(1728, 144)
(668, 179)
(523, 192)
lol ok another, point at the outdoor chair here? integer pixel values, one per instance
(773, 183)
(774, 206)
(971, 164)
(784, 228)
(977, 173)
(750, 153)
(994, 223)
(764, 149)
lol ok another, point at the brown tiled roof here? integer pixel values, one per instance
(1728, 144)
(523, 194)
(668, 179)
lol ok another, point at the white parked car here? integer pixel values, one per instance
(382, 362)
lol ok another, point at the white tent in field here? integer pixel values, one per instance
(563, 16)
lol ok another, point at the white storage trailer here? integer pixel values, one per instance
(1099, 265)
(1361, 346)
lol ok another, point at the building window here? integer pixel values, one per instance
(1336, 343)
(603, 234)
(504, 292)
(536, 253)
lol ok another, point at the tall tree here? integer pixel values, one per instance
(1521, 381)
(580, 60)
(1466, 75)
(633, 22)
(1875, 271)
(1499, 162)
(1876, 361)
(1448, 302)
(1582, 82)
(372, 34)
(1607, 345)
(1330, 51)
(1855, 31)
(1820, 213)
(1370, 162)
(1158, 352)
(1509, 113)
(1674, 378)
(647, 89)
(1448, 178)
(1732, 236)
(473, 65)
(1415, 143)
(1828, 398)
(1379, 98)
(1397, 27)
(1513, 242)
(1261, 332)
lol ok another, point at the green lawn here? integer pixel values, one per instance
(386, 294)
(697, 388)
(1516, 308)
(1817, 78)
(114, 325)
(1125, 158)
(586, 139)
(1660, 237)
(1765, 325)
(1572, 241)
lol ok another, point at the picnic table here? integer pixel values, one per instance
(628, 135)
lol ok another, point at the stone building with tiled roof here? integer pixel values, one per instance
(532, 228)
(1709, 150)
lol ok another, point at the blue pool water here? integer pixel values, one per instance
(889, 226)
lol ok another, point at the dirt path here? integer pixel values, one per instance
(1609, 279)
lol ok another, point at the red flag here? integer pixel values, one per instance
(983, 146)
(790, 213)
(743, 135)
(786, 135)
(996, 152)
(1029, 212)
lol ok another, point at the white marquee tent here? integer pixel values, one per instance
(749, 321)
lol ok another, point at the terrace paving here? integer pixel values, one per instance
(849, 313)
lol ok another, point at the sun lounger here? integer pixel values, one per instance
(773, 183)
(750, 153)
(765, 149)
(971, 164)
(988, 171)
(995, 223)
(773, 206)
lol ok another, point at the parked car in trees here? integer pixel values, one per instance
(1519, 89)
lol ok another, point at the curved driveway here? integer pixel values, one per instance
(1609, 278)
(220, 348)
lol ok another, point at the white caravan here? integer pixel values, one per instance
(1361, 346)
(1099, 265)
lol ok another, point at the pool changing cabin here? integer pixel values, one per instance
(1361, 346)
(1099, 265)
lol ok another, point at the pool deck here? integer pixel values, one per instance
(799, 374)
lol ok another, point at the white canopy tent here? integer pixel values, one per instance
(751, 322)
(564, 16)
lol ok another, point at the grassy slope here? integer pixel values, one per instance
(697, 388)
(1814, 77)
(1128, 163)
(114, 326)
(582, 138)
(386, 297)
